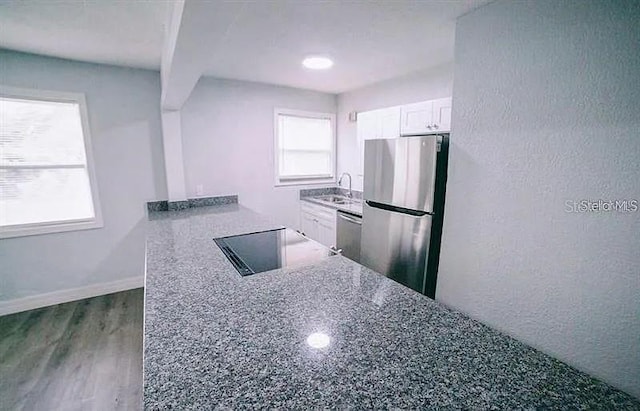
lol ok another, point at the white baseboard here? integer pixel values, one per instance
(73, 294)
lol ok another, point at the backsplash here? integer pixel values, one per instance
(165, 205)
(325, 191)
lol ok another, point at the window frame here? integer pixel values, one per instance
(304, 179)
(50, 227)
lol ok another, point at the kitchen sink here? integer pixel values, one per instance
(336, 199)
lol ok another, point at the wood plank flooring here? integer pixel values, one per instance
(82, 355)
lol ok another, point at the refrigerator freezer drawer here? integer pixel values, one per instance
(396, 245)
(401, 172)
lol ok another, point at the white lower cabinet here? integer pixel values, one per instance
(327, 232)
(318, 223)
(309, 225)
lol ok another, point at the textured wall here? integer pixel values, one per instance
(428, 84)
(124, 117)
(228, 142)
(546, 109)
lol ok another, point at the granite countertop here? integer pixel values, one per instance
(214, 339)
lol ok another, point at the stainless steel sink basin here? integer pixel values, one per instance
(336, 199)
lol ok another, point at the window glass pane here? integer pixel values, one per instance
(30, 196)
(40, 133)
(306, 146)
(43, 166)
(305, 163)
(301, 133)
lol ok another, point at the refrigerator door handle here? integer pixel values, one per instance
(388, 207)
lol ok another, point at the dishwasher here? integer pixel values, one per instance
(348, 241)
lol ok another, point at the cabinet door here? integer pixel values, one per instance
(376, 124)
(381, 123)
(309, 225)
(416, 118)
(327, 233)
(368, 125)
(368, 128)
(389, 122)
(442, 114)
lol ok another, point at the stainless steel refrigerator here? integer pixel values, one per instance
(404, 191)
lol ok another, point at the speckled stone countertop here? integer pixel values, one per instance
(214, 339)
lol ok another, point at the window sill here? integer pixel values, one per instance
(304, 181)
(51, 228)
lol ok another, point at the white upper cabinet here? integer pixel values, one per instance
(390, 122)
(426, 117)
(415, 118)
(367, 125)
(376, 124)
(442, 114)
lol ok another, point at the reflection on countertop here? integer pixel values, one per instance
(329, 335)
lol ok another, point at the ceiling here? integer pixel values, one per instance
(262, 41)
(369, 41)
(121, 32)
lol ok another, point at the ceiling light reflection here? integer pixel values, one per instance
(318, 340)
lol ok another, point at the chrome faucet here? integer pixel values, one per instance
(350, 194)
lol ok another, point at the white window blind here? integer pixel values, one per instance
(45, 178)
(305, 146)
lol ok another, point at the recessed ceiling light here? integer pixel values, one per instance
(317, 62)
(318, 340)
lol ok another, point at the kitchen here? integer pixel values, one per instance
(520, 146)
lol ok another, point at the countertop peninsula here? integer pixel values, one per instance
(214, 339)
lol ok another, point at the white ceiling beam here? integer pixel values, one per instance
(185, 56)
(186, 53)
(171, 28)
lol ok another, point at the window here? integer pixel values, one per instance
(305, 147)
(47, 183)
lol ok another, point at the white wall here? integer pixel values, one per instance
(545, 109)
(228, 142)
(124, 116)
(424, 85)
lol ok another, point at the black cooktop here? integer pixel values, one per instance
(269, 250)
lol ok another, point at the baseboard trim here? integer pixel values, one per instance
(64, 296)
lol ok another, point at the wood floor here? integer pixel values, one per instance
(83, 355)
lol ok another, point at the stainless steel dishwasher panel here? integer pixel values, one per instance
(349, 229)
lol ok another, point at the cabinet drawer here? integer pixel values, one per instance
(318, 223)
(318, 211)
